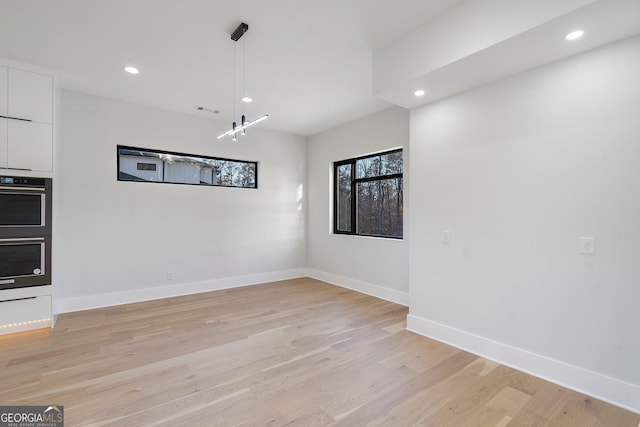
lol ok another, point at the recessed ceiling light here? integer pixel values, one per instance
(574, 35)
(131, 70)
(247, 99)
(419, 92)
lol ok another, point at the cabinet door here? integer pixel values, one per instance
(30, 146)
(3, 143)
(3, 91)
(30, 96)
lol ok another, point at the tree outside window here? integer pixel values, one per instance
(368, 195)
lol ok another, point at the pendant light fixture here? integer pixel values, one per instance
(244, 123)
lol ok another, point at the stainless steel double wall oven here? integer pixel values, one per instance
(25, 232)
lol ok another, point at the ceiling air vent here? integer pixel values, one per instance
(206, 110)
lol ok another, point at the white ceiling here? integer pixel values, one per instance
(309, 63)
(488, 40)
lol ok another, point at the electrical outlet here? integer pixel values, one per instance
(169, 275)
(588, 245)
(446, 236)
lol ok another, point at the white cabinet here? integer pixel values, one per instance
(3, 141)
(3, 112)
(30, 96)
(25, 308)
(26, 131)
(30, 146)
(3, 90)
(26, 149)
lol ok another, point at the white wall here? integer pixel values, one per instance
(519, 171)
(115, 241)
(372, 265)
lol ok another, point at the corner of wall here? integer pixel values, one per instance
(381, 292)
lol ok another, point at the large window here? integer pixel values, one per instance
(368, 195)
(146, 165)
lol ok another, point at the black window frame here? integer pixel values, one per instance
(120, 176)
(354, 196)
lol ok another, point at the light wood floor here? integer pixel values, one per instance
(294, 353)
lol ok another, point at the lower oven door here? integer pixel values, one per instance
(24, 262)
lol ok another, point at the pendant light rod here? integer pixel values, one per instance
(235, 129)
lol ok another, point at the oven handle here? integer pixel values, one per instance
(40, 189)
(23, 239)
(7, 281)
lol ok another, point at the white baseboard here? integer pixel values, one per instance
(381, 292)
(67, 305)
(591, 383)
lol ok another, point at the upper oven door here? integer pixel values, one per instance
(22, 207)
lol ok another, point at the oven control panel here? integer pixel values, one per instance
(15, 180)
